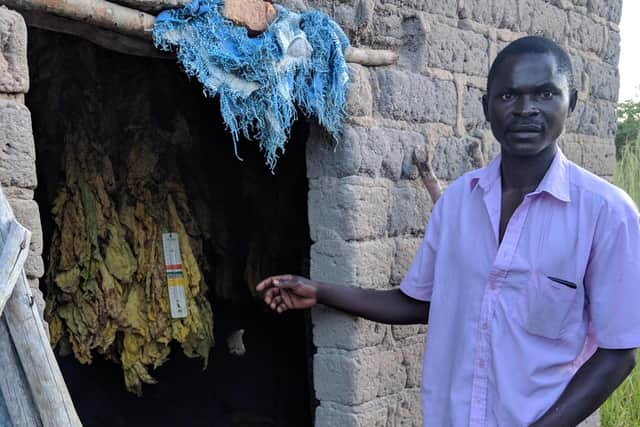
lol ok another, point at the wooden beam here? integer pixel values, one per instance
(104, 38)
(137, 24)
(152, 6)
(100, 13)
(370, 57)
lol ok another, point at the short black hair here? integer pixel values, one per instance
(534, 44)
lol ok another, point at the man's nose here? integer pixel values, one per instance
(526, 107)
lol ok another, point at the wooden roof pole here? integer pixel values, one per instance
(100, 13)
(137, 24)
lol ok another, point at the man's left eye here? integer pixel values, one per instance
(546, 94)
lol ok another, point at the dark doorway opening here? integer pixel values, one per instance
(252, 223)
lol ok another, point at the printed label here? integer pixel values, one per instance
(175, 275)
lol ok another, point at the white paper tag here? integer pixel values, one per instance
(175, 275)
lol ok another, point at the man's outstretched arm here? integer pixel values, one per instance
(288, 292)
(589, 388)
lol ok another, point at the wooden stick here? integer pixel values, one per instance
(13, 385)
(101, 13)
(31, 341)
(370, 57)
(15, 248)
(477, 156)
(137, 23)
(41, 370)
(153, 6)
(423, 162)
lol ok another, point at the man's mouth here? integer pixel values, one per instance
(525, 128)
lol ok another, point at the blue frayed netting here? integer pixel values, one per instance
(299, 61)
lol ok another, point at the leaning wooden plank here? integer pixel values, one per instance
(14, 389)
(48, 388)
(13, 253)
(101, 13)
(5, 419)
(6, 216)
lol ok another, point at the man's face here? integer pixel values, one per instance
(528, 104)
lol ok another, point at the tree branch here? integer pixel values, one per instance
(422, 161)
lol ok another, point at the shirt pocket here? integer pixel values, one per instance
(549, 304)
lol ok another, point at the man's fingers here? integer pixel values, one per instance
(281, 292)
(285, 281)
(270, 294)
(286, 299)
(263, 284)
(272, 281)
(276, 302)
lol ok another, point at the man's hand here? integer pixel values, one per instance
(392, 306)
(288, 292)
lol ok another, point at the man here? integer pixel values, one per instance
(528, 273)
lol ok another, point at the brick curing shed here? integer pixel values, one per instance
(80, 74)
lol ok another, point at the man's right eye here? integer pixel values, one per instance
(507, 96)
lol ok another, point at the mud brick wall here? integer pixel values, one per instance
(367, 207)
(17, 149)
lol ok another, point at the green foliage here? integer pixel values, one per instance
(628, 125)
(623, 407)
(627, 174)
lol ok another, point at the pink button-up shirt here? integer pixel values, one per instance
(511, 323)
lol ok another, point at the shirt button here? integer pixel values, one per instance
(485, 326)
(481, 363)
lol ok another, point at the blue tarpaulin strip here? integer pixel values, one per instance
(297, 62)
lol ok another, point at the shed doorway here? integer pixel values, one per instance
(243, 223)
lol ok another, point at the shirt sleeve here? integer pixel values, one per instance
(612, 279)
(418, 282)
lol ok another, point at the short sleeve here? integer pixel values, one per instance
(418, 282)
(612, 279)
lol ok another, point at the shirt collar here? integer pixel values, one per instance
(556, 181)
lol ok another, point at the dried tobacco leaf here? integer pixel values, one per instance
(108, 290)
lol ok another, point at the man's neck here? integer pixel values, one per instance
(525, 173)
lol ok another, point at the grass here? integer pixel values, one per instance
(623, 407)
(627, 175)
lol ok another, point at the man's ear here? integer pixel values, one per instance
(573, 100)
(485, 107)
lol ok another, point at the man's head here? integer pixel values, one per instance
(530, 93)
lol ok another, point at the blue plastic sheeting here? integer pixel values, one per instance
(299, 61)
